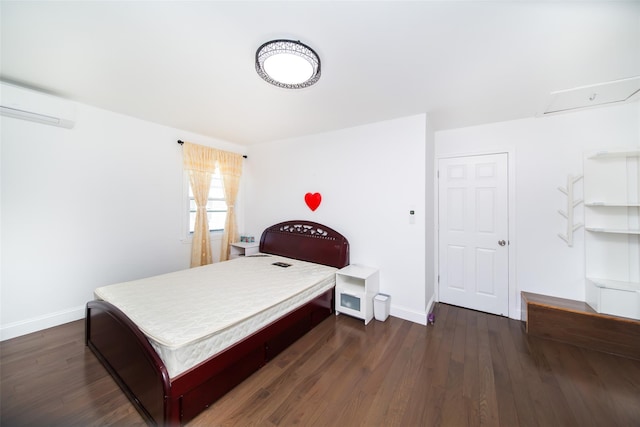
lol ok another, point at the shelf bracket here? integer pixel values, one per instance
(568, 213)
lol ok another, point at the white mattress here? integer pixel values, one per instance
(191, 315)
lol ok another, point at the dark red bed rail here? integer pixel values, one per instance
(132, 362)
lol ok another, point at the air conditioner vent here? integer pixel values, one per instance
(26, 104)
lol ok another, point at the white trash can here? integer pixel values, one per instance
(381, 304)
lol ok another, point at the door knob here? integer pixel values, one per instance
(502, 242)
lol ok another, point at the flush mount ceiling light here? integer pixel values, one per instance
(288, 64)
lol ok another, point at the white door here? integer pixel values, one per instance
(473, 232)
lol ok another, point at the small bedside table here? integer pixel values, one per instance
(243, 249)
(356, 285)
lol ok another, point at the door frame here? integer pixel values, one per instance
(514, 298)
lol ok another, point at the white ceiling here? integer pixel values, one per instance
(190, 65)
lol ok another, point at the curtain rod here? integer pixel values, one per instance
(182, 142)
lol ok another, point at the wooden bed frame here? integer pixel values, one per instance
(133, 363)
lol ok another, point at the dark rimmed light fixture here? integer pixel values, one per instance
(288, 64)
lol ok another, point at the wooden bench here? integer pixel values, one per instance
(576, 323)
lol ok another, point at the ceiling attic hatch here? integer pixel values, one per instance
(609, 93)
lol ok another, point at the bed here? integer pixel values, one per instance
(146, 356)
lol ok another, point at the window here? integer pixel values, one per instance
(216, 206)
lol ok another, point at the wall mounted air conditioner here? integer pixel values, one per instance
(27, 104)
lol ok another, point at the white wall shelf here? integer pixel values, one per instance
(603, 204)
(613, 230)
(612, 222)
(603, 154)
(572, 203)
(615, 284)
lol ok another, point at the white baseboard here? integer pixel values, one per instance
(39, 323)
(515, 313)
(408, 314)
(430, 304)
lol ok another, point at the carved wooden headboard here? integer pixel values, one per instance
(306, 241)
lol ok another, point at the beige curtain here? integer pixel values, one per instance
(230, 165)
(200, 162)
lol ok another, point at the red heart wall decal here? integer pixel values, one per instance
(313, 200)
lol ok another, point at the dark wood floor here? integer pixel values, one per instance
(469, 368)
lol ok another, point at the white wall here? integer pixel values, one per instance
(102, 203)
(370, 177)
(87, 207)
(546, 151)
